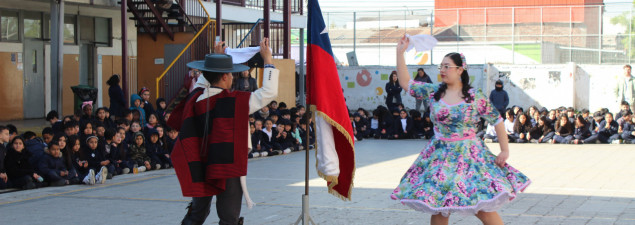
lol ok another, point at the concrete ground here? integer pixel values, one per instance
(572, 184)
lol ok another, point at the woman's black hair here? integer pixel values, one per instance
(465, 80)
(113, 80)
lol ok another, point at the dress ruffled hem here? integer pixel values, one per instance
(489, 205)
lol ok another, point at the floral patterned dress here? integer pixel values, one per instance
(456, 172)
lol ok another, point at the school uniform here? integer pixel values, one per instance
(108, 152)
(269, 141)
(50, 167)
(627, 134)
(509, 128)
(3, 154)
(403, 128)
(393, 95)
(594, 134)
(19, 170)
(545, 132)
(581, 133)
(154, 152)
(311, 135)
(521, 129)
(563, 134)
(607, 135)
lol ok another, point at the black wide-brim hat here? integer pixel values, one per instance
(218, 63)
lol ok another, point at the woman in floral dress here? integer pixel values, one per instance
(456, 172)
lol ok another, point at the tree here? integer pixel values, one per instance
(626, 42)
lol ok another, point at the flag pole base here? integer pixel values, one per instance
(305, 217)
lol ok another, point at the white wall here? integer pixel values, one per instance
(364, 86)
(551, 86)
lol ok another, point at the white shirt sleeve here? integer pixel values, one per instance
(267, 93)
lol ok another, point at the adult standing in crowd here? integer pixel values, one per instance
(393, 92)
(499, 97)
(245, 82)
(422, 76)
(625, 90)
(117, 100)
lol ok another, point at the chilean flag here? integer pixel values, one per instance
(335, 143)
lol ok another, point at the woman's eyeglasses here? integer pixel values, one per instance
(445, 67)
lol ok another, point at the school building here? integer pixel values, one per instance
(156, 40)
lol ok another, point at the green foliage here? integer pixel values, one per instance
(627, 20)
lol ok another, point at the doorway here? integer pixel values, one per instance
(33, 79)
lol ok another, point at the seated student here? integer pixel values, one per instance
(100, 130)
(509, 124)
(303, 132)
(281, 106)
(428, 126)
(361, 127)
(594, 127)
(273, 108)
(86, 128)
(552, 118)
(608, 129)
(269, 138)
(153, 121)
(374, 125)
(56, 124)
(403, 127)
(490, 134)
(624, 107)
(35, 146)
(571, 114)
(52, 167)
(417, 122)
(626, 117)
(534, 118)
(564, 129)
(274, 119)
(135, 127)
(4, 138)
(75, 155)
(628, 134)
(19, 170)
(109, 152)
(362, 112)
(137, 153)
(86, 113)
(522, 126)
(285, 114)
(155, 151)
(160, 111)
(262, 114)
(582, 130)
(102, 119)
(542, 132)
(13, 131)
(171, 139)
(295, 131)
(587, 117)
(266, 150)
(284, 139)
(95, 159)
(120, 160)
(256, 139)
(47, 135)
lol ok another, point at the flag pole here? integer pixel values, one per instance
(305, 217)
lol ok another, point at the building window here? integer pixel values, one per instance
(9, 26)
(32, 25)
(102, 31)
(70, 29)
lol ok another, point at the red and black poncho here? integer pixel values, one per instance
(202, 170)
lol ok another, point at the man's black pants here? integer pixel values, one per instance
(228, 205)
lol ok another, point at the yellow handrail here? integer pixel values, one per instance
(205, 27)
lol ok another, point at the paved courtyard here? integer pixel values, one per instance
(572, 184)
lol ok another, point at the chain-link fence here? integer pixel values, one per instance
(518, 35)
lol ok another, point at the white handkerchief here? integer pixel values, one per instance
(421, 42)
